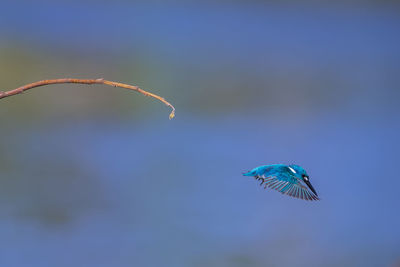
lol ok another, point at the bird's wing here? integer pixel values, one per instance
(289, 186)
(299, 191)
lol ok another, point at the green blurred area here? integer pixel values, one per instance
(225, 86)
(20, 66)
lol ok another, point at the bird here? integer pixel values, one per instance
(288, 179)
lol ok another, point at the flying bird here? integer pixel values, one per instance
(287, 179)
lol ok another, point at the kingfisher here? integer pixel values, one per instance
(287, 179)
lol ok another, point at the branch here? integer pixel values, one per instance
(21, 89)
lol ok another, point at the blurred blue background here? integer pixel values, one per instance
(98, 176)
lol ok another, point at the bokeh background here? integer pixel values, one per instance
(98, 176)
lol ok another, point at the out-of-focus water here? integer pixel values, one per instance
(93, 176)
(107, 193)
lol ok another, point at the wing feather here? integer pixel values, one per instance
(290, 187)
(297, 190)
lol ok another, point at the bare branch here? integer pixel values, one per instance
(21, 89)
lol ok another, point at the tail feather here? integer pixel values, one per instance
(249, 173)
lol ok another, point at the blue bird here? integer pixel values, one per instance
(287, 179)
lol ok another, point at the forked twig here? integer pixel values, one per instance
(21, 89)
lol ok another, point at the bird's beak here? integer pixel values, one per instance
(311, 187)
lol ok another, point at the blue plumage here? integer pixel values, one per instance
(287, 179)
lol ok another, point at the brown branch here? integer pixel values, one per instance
(21, 89)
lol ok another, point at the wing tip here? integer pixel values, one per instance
(299, 194)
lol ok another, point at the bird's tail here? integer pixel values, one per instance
(249, 173)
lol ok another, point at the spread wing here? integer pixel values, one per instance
(287, 185)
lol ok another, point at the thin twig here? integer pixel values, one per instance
(21, 89)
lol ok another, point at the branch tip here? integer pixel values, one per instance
(172, 114)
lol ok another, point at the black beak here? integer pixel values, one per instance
(311, 187)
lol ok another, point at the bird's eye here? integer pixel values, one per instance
(305, 177)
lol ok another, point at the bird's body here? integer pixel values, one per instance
(287, 179)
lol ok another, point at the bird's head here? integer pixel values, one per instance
(301, 174)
